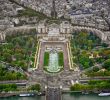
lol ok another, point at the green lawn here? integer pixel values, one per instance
(60, 59)
(46, 58)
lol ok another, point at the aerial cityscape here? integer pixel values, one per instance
(54, 49)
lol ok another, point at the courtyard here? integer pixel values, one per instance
(53, 56)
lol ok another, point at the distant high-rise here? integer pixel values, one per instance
(53, 11)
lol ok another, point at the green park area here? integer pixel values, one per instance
(18, 51)
(88, 50)
(6, 74)
(14, 87)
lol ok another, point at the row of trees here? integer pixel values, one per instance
(8, 87)
(36, 87)
(91, 86)
(98, 73)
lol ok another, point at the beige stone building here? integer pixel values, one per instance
(64, 27)
(2, 36)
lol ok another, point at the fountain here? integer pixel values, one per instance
(53, 61)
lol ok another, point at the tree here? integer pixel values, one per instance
(82, 39)
(95, 69)
(36, 87)
(85, 61)
(106, 64)
(90, 44)
(7, 57)
(95, 53)
(23, 64)
(75, 87)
